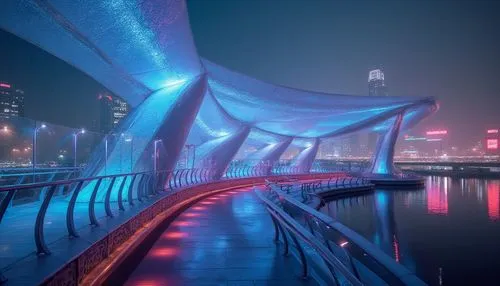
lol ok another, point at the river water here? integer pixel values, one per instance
(447, 233)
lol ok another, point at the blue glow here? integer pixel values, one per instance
(144, 52)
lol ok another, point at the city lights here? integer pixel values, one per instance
(492, 131)
(492, 144)
(437, 132)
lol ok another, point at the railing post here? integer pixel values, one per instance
(276, 229)
(187, 176)
(192, 181)
(93, 219)
(107, 204)
(130, 189)
(70, 221)
(170, 180)
(181, 171)
(120, 195)
(6, 202)
(41, 246)
(176, 172)
(140, 187)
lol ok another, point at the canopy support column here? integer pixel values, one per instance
(221, 151)
(269, 154)
(165, 115)
(305, 159)
(383, 160)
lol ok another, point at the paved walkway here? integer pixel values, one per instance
(226, 239)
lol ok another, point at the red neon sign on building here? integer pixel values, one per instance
(492, 144)
(437, 132)
(492, 131)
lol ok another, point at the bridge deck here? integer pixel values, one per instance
(226, 239)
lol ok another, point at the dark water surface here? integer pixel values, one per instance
(448, 233)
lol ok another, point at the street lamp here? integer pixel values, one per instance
(189, 147)
(33, 154)
(131, 140)
(75, 139)
(155, 163)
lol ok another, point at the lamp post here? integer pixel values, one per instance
(75, 139)
(131, 140)
(155, 163)
(105, 155)
(189, 147)
(33, 153)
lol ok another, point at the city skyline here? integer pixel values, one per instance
(64, 85)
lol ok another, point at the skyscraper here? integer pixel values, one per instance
(376, 83)
(112, 111)
(376, 87)
(11, 101)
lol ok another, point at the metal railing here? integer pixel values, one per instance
(127, 188)
(308, 190)
(289, 229)
(245, 171)
(364, 261)
(131, 187)
(26, 176)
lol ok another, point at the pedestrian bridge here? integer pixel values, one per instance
(143, 51)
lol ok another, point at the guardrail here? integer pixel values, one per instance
(27, 176)
(131, 187)
(309, 190)
(286, 227)
(143, 189)
(366, 263)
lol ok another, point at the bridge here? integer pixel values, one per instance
(83, 226)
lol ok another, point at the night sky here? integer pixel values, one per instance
(446, 49)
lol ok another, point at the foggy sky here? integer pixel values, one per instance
(446, 49)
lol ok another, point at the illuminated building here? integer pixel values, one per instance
(11, 101)
(112, 110)
(438, 139)
(376, 83)
(492, 136)
(376, 87)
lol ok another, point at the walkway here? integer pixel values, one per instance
(226, 239)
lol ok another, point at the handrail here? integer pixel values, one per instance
(296, 230)
(401, 272)
(63, 171)
(61, 182)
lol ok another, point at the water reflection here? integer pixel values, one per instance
(437, 195)
(435, 232)
(494, 200)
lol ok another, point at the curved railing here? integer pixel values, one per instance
(364, 261)
(290, 230)
(310, 189)
(141, 184)
(130, 187)
(27, 176)
(62, 212)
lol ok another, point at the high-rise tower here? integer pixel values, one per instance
(11, 101)
(376, 83)
(112, 111)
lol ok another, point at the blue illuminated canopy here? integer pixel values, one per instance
(143, 51)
